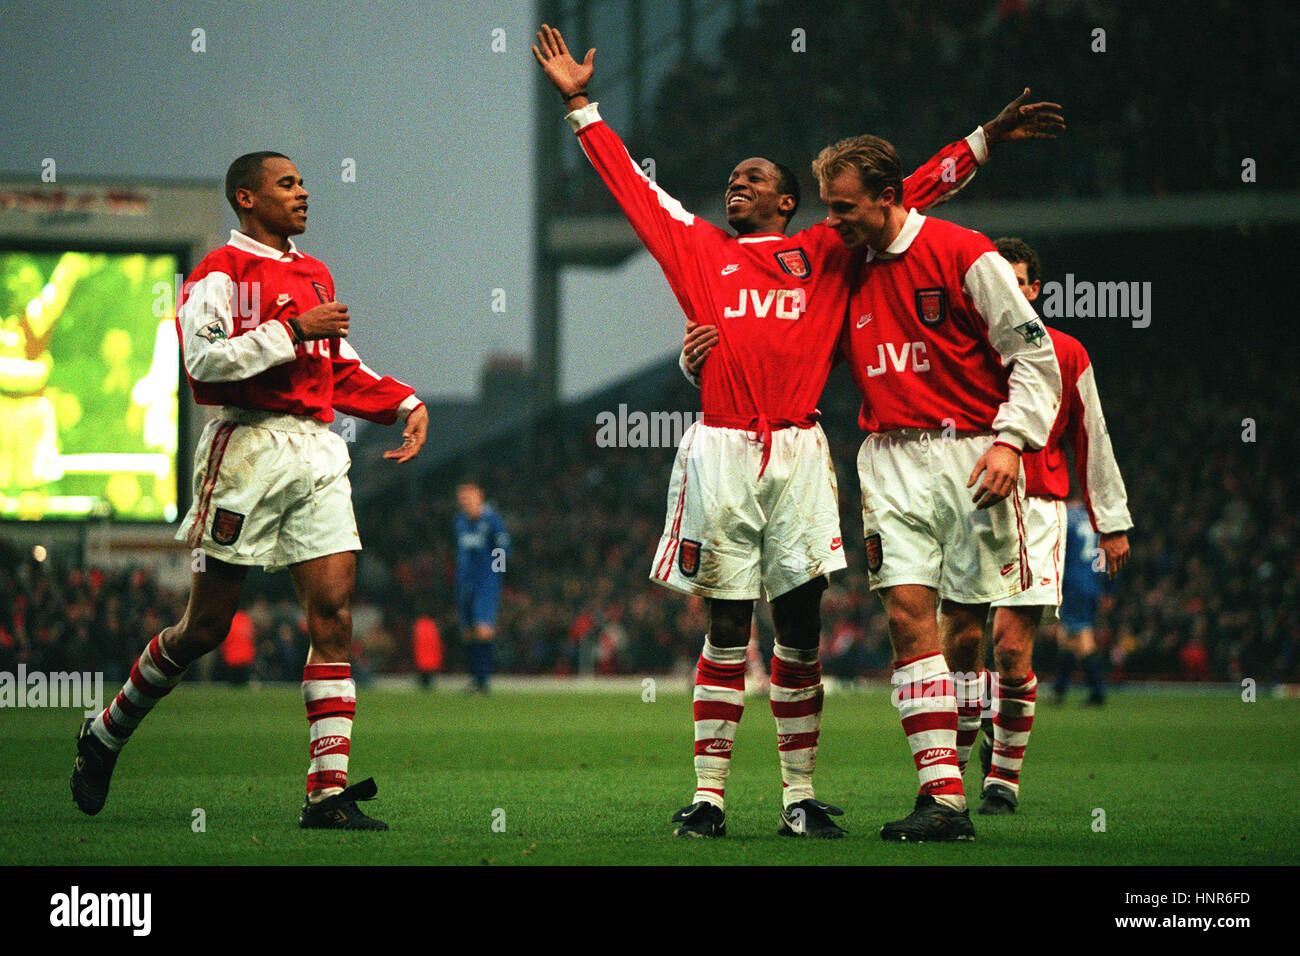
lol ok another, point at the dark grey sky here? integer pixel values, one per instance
(439, 125)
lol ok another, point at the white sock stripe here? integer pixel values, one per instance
(926, 705)
(320, 689)
(803, 657)
(134, 696)
(799, 725)
(926, 667)
(724, 655)
(1013, 740)
(937, 771)
(121, 719)
(331, 727)
(329, 762)
(713, 729)
(926, 739)
(710, 762)
(785, 695)
(153, 673)
(724, 694)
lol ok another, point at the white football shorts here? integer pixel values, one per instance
(921, 526)
(1045, 534)
(270, 490)
(729, 531)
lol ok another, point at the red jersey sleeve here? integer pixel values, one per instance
(669, 232)
(943, 175)
(359, 391)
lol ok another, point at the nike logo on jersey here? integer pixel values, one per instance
(864, 319)
(282, 299)
(728, 270)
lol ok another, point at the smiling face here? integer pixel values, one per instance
(754, 201)
(859, 218)
(277, 205)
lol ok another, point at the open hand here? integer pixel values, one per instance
(564, 72)
(413, 435)
(1020, 120)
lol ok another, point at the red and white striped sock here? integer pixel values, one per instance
(969, 708)
(719, 702)
(331, 699)
(1013, 717)
(152, 678)
(797, 706)
(927, 704)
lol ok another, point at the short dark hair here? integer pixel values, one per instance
(1017, 250)
(875, 160)
(787, 184)
(246, 173)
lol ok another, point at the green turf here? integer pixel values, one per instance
(593, 778)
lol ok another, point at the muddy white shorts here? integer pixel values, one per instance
(921, 526)
(270, 490)
(728, 531)
(1045, 537)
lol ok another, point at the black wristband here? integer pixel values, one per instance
(297, 331)
(573, 95)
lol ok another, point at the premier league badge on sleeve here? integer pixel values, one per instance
(321, 291)
(931, 305)
(688, 558)
(794, 262)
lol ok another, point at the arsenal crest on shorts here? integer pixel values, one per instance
(226, 526)
(794, 262)
(931, 305)
(875, 555)
(688, 557)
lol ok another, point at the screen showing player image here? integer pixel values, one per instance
(89, 368)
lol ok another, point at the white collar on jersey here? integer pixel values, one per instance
(248, 244)
(762, 237)
(911, 226)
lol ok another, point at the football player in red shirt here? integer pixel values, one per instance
(752, 500)
(1081, 424)
(263, 337)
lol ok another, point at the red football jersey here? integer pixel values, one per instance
(1080, 421)
(939, 336)
(777, 301)
(232, 320)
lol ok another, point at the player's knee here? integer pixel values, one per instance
(797, 615)
(729, 622)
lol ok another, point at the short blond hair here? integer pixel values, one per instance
(875, 160)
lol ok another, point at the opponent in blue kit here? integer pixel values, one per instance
(1082, 586)
(482, 548)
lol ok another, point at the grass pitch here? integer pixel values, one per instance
(569, 778)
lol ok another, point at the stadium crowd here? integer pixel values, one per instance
(1211, 593)
(1167, 99)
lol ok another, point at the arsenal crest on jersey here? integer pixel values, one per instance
(931, 305)
(688, 557)
(226, 526)
(794, 262)
(875, 554)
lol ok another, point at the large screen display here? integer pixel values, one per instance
(89, 368)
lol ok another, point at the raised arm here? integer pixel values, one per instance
(660, 222)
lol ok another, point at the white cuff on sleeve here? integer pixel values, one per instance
(588, 115)
(409, 404)
(979, 145)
